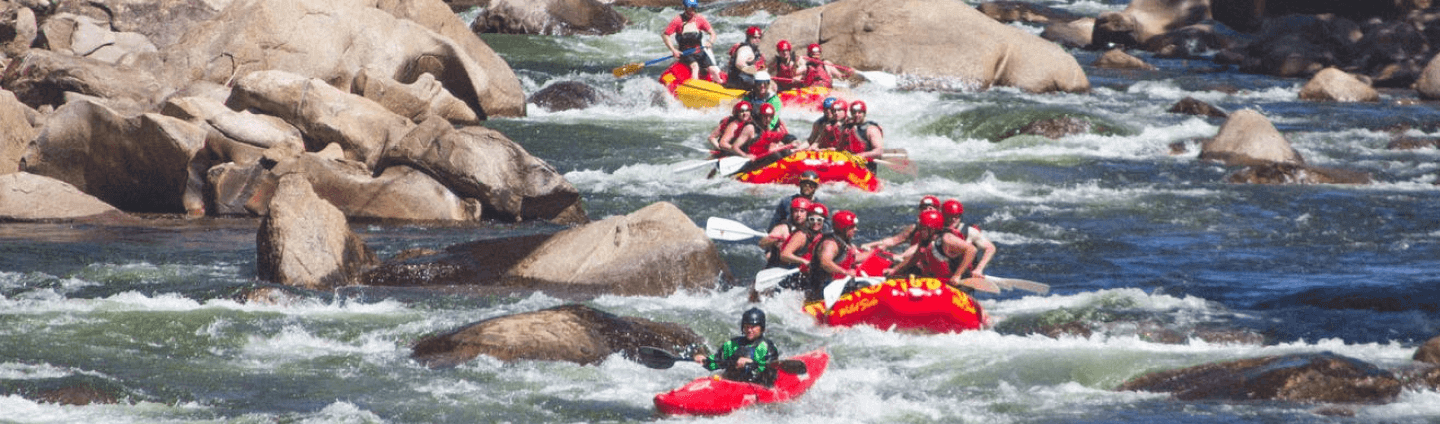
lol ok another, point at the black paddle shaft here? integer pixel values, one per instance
(660, 359)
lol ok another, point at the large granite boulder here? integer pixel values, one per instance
(16, 131)
(30, 197)
(1428, 85)
(959, 44)
(323, 113)
(416, 101)
(19, 27)
(1143, 19)
(399, 192)
(1320, 377)
(651, 252)
(162, 22)
(549, 17)
(43, 77)
(137, 163)
(1246, 138)
(1334, 85)
(306, 242)
(499, 93)
(1429, 352)
(574, 333)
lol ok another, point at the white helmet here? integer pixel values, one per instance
(762, 76)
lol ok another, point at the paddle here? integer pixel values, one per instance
(903, 166)
(631, 68)
(770, 278)
(980, 284)
(724, 229)
(882, 79)
(1016, 283)
(730, 165)
(694, 166)
(896, 153)
(836, 288)
(660, 359)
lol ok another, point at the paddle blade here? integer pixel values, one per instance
(732, 164)
(980, 284)
(1018, 284)
(657, 358)
(895, 154)
(718, 228)
(791, 366)
(627, 70)
(693, 166)
(901, 165)
(834, 290)
(770, 278)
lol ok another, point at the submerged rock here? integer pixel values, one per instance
(1322, 377)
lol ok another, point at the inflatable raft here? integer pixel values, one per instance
(716, 396)
(699, 93)
(830, 165)
(912, 303)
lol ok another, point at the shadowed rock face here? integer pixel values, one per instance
(1430, 352)
(566, 95)
(1193, 106)
(1323, 377)
(1291, 173)
(574, 333)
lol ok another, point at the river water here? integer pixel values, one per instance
(1148, 250)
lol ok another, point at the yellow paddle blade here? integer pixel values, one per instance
(629, 68)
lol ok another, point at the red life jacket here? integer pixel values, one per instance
(933, 261)
(818, 74)
(764, 143)
(808, 249)
(786, 71)
(845, 254)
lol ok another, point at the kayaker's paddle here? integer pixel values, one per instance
(660, 359)
(770, 278)
(718, 228)
(1016, 283)
(631, 68)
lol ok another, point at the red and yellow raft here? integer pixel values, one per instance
(911, 303)
(698, 93)
(716, 396)
(830, 165)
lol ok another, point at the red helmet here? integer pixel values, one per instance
(952, 208)
(754, 31)
(845, 220)
(930, 201)
(800, 203)
(932, 220)
(767, 109)
(813, 49)
(818, 209)
(838, 106)
(858, 107)
(783, 45)
(739, 107)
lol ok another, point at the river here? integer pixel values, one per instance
(1147, 249)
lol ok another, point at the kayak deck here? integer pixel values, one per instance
(713, 395)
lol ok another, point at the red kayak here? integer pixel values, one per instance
(911, 303)
(830, 165)
(716, 396)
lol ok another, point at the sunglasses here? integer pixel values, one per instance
(815, 219)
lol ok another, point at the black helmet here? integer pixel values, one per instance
(754, 316)
(810, 177)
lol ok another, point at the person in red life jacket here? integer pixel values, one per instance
(954, 221)
(688, 31)
(766, 142)
(745, 61)
(818, 71)
(801, 244)
(907, 234)
(863, 137)
(941, 254)
(747, 357)
(787, 69)
(809, 183)
(836, 255)
(725, 137)
(826, 132)
(799, 209)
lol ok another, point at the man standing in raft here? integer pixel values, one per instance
(689, 31)
(747, 357)
(746, 61)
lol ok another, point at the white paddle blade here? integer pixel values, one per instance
(1018, 284)
(732, 164)
(770, 278)
(718, 228)
(834, 290)
(693, 166)
(880, 79)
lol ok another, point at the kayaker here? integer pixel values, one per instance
(787, 70)
(818, 71)
(725, 139)
(863, 137)
(688, 31)
(801, 244)
(954, 222)
(764, 92)
(826, 132)
(835, 255)
(809, 183)
(941, 255)
(799, 209)
(746, 61)
(747, 357)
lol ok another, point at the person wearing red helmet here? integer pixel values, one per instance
(809, 184)
(786, 69)
(826, 132)
(688, 31)
(799, 209)
(907, 234)
(801, 244)
(766, 140)
(954, 213)
(863, 137)
(941, 254)
(818, 71)
(746, 61)
(725, 139)
(835, 256)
